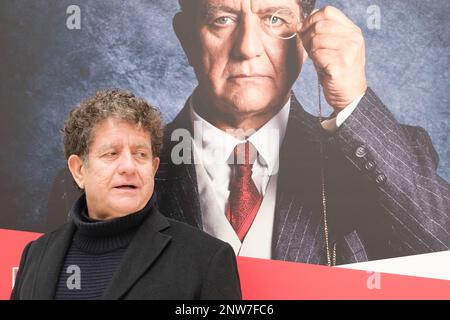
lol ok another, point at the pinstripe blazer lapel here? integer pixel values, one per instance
(298, 231)
(298, 226)
(177, 184)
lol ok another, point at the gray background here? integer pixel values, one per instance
(46, 69)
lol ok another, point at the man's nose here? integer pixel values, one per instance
(248, 43)
(126, 164)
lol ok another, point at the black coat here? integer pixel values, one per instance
(165, 260)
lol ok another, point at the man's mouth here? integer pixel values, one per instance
(126, 187)
(252, 75)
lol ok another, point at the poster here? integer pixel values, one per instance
(57, 53)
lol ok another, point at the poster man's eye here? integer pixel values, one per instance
(223, 21)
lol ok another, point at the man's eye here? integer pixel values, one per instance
(274, 21)
(142, 154)
(110, 154)
(223, 21)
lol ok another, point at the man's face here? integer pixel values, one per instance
(240, 67)
(118, 176)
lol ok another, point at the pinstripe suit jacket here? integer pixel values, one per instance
(384, 196)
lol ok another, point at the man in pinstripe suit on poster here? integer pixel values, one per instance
(244, 162)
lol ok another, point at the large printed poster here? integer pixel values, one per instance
(341, 114)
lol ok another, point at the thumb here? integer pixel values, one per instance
(301, 50)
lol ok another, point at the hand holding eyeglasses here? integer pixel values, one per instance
(336, 47)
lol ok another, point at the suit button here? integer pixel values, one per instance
(380, 179)
(370, 165)
(361, 152)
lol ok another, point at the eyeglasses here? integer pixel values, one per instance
(284, 24)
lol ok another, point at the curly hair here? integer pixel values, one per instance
(113, 103)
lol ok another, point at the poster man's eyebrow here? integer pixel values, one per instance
(212, 10)
(273, 9)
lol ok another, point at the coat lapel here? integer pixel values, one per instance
(144, 249)
(177, 183)
(52, 262)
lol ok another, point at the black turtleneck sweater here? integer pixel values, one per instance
(96, 251)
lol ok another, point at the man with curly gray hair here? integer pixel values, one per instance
(117, 244)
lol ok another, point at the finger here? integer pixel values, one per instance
(326, 27)
(327, 13)
(323, 58)
(324, 41)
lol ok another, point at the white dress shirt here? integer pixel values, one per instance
(212, 150)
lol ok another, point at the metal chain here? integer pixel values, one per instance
(331, 257)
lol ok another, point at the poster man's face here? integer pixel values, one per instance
(242, 68)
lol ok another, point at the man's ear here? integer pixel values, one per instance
(183, 30)
(156, 162)
(76, 164)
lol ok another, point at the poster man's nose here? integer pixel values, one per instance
(248, 43)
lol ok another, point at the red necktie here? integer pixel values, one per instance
(244, 200)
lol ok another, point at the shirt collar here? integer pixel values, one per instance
(217, 145)
(267, 140)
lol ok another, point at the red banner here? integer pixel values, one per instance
(273, 280)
